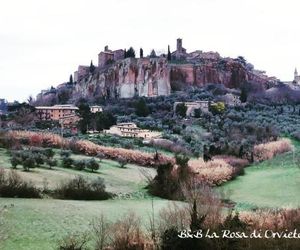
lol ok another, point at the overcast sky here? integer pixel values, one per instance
(43, 41)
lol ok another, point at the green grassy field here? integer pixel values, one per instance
(117, 180)
(272, 183)
(40, 223)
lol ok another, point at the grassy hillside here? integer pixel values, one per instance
(40, 223)
(272, 183)
(117, 180)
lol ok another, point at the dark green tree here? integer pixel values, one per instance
(169, 54)
(141, 108)
(181, 109)
(141, 53)
(130, 53)
(92, 67)
(104, 120)
(85, 114)
(153, 54)
(244, 95)
(71, 79)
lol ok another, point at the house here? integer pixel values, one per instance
(64, 114)
(95, 109)
(130, 129)
(191, 106)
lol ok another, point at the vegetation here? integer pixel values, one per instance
(181, 109)
(12, 185)
(130, 53)
(34, 157)
(81, 188)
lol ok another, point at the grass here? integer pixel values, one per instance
(117, 180)
(39, 224)
(272, 184)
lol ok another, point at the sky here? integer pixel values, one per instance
(42, 42)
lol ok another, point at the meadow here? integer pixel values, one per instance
(272, 183)
(41, 223)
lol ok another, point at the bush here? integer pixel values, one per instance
(92, 164)
(81, 188)
(267, 151)
(74, 242)
(214, 172)
(34, 157)
(122, 161)
(67, 162)
(79, 164)
(11, 185)
(65, 153)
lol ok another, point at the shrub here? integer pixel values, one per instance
(122, 161)
(29, 163)
(165, 184)
(74, 242)
(214, 172)
(268, 150)
(79, 164)
(15, 161)
(92, 164)
(128, 233)
(217, 108)
(65, 153)
(81, 188)
(66, 162)
(90, 148)
(11, 185)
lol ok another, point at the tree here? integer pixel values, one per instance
(130, 53)
(141, 108)
(181, 109)
(71, 79)
(15, 161)
(29, 163)
(217, 108)
(153, 54)
(122, 161)
(182, 162)
(92, 164)
(85, 114)
(141, 53)
(92, 67)
(104, 120)
(244, 95)
(169, 54)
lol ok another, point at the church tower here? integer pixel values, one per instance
(296, 76)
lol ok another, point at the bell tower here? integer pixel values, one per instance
(295, 74)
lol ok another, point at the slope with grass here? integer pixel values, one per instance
(117, 180)
(41, 223)
(272, 183)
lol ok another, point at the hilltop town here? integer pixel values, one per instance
(121, 74)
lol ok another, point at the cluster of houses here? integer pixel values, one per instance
(67, 117)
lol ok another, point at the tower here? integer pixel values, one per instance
(295, 74)
(179, 45)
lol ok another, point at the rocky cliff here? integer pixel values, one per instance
(151, 77)
(127, 78)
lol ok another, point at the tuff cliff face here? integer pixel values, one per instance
(231, 73)
(127, 78)
(149, 77)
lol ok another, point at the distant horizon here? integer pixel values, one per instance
(43, 43)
